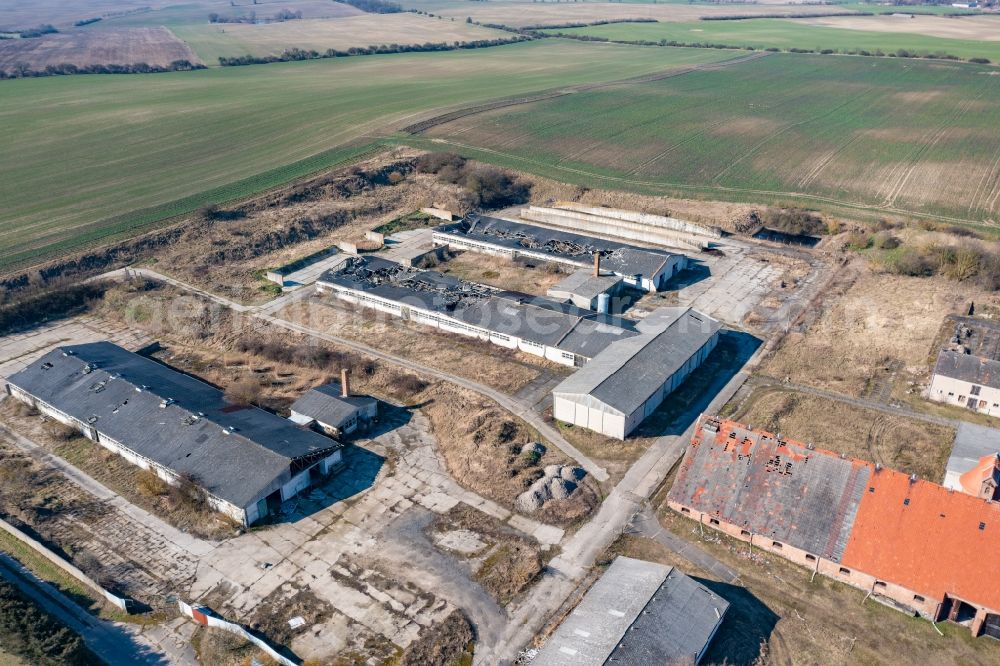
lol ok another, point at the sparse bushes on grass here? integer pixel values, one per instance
(795, 221)
(244, 392)
(150, 484)
(443, 644)
(963, 262)
(485, 187)
(35, 305)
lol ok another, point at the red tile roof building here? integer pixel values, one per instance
(908, 542)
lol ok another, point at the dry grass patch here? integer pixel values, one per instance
(501, 369)
(913, 447)
(447, 643)
(879, 321)
(530, 277)
(481, 446)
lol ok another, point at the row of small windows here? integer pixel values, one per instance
(844, 571)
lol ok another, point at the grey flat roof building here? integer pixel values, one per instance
(237, 453)
(638, 614)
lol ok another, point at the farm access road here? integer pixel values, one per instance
(521, 408)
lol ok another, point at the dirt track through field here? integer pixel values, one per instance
(443, 118)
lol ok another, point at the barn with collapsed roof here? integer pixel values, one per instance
(909, 543)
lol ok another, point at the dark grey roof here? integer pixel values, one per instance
(625, 375)
(540, 320)
(585, 284)
(781, 491)
(616, 257)
(638, 613)
(237, 453)
(968, 368)
(972, 444)
(326, 405)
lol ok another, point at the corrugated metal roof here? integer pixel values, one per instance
(326, 405)
(625, 374)
(638, 613)
(237, 453)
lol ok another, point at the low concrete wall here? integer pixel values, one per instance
(204, 617)
(439, 213)
(122, 603)
(579, 222)
(645, 218)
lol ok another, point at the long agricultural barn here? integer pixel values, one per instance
(912, 544)
(560, 332)
(626, 382)
(246, 460)
(641, 267)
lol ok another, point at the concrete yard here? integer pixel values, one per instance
(329, 542)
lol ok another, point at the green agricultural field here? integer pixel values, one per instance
(788, 34)
(873, 135)
(87, 157)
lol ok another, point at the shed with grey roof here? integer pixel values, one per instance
(247, 461)
(333, 409)
(585, 290)
(638, 614)
(630, 378)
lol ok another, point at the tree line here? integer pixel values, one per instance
(294, 54)
(21, 70)
(878, 53)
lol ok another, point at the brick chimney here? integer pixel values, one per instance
(345, 383)
(597, 264)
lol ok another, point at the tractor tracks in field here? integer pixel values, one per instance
(441, 119)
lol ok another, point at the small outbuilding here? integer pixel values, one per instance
(332, 409)
(638, 613)
(587, 289)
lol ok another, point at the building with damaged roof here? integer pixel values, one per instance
(911, 544)
(967, 370)
(627, 368)
(645, 268)
(637, 614)
(560, 332)
(246, 460)
(627, 381)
